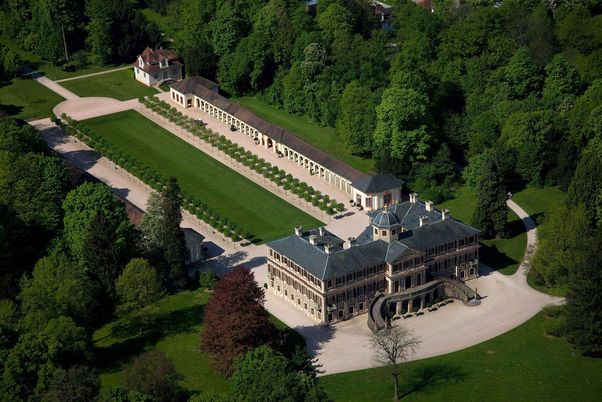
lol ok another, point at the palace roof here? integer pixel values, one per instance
(327, 257)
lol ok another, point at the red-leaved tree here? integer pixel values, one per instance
(235, 320)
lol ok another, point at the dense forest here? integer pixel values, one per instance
(492, 96)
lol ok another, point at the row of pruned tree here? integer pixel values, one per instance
(247, 158)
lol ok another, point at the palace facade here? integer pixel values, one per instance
(405, 249)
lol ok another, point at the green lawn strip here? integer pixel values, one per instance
(27, 99)
(232, 195)
(503, 255)
(520, 365)
(180, 317)
(324, 138)
(120, 85)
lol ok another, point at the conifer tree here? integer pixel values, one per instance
(174, 246)
(491, 213)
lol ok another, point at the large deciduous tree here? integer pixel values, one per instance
(58, 287)
(586, 184)
(401, 125)
(392, 347)
(235, 319)
(356, 121)
(138, 285)
(265, 375)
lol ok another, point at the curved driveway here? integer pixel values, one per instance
(507, 300)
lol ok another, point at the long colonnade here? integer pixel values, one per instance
(262, 139)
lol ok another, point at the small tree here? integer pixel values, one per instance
(153, 374)
(393, 346)
(207, 279)
(138, 285)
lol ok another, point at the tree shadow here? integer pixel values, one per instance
(427, 378)
(140, 335)
(10, 110)
(315, 336)
(494, 258)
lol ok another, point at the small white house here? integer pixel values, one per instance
(154, 66)
(378, 191)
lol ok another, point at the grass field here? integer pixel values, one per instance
(324, 138)
(539, 201)
(520, 365)
(120, 85)
(232, 195)
(26, 99)
(503, 255)
(177, 326)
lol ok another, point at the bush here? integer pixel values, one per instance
(555, 327)
(208, 279)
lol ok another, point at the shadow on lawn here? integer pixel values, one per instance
(426, 378)
(496, 259)
(142, 331)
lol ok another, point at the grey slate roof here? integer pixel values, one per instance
(385, 219)
(377, 183)
(431, 235)
(368, 252)
(409, 214)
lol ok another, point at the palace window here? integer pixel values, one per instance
(350, 310)
(305, 306)
(285, 292)
(329, 318)
(361, 307)
(329, 284)
(471, 271)
(368, 202)
(462, 274)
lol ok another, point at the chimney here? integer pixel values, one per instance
(429, 205)
(313, 240)
(414, 198)
(351, 242)
(321, 231)
(445, 214)
(423, 220)
(328, 248)
(299, 230)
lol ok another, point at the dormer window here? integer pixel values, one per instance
(140, 62)
(163, 63)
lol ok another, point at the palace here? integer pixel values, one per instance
(367, 192)
(410, 251)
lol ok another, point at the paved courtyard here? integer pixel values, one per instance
(507, 300)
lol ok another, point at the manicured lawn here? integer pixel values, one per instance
(26, 99)
(120, 85)
(539, 201)
(229, 193)
(521, 365)
(503, 255)
(324, 138)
